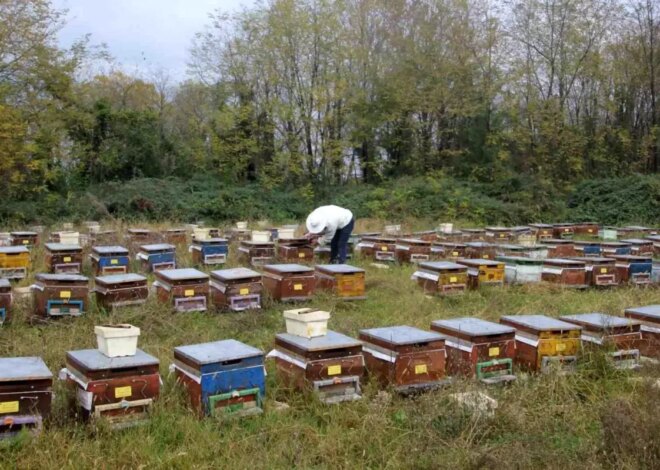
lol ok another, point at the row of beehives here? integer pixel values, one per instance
(228, 377)
(238, 289)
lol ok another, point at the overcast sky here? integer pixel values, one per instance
(143, 35)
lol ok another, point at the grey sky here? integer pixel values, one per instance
(142, 35)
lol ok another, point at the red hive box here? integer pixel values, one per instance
(563, 231)
(442, 277)
(257, 253)
(236, 289)
(27, 239)
(649, 317)
(412, 250)
(639, 246)
(407, 358)
(499, 234)
(120, 390)
(622, 336)
(588, 229)
(378, 248)
(295, 250)
(472, 235)
(567, 272)
(121, 290)
(558, 248)
(346, 282)
(137, 237)
(25, 395)
(478, 348)
(289, 282)
(636, 270)
(655, 239)
(542, 231)
(186, 289)
(57, 295)
(104, 238)
(447, 250)
(62, 258)
(5, 301)
(482, 250)
(600, 272)
(331, 365)
(427, 235)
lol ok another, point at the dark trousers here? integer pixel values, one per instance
(339, 244)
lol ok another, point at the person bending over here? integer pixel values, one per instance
(334, 224)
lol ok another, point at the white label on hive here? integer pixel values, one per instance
(421, 369)
(297, 287)
(244, 291)
(334, 370)
(560, 347)
(67, 259)
(9, 407)
(65, 294)
(114, 261)
(493, 352)
(189, 292)
(453, 279)
(123, 392)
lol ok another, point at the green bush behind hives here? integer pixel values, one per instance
(516, 200)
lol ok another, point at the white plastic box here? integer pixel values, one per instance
(285, 233)
(260, 236)
(117, 340)
(446, 228)
(241, 225)
(70, 238)
(306, 322)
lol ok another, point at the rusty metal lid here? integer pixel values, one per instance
(23, 368)
(402, 335)
(13, 250)
(599, 320)
(339, 268)
(93, 360)
(473, 326)
(332, 340)
(288, 268)
(440, 265)
(157, 247)
(234, 274)
(61, 277)
(120, 278)
(110, 250)
(217, 351)
(540, 322)
(62, 247)
(651, 311)
(187, 274)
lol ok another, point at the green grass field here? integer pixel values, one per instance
(596, 418)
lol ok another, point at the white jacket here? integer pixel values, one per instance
(326, 220)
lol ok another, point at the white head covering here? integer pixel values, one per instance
(315, 223)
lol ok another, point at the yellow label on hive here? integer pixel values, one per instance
(493, 352)
(114, 261)
(26, 242)
(9, 407)
(501, 235)
(67, 259)
(301, 255)
(383, 248)
(603, 270)
(454, 253)
(65, 294)
(297, 287)
(334, 370)
(421, 369)
(485, 256)
(453, 279)
(244, 291)
(189, 292)
(590, 230)
(560, 347)
(123, 392)
(565, 230)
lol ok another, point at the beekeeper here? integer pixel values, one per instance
(332, 224)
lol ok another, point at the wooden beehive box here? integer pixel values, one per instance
(222, 378)
(5, 301)
(426, 235)
(412, 250)
(322, 254)
(542, 231)
(631, 231)
(346, 282)
(108, 260)
(57, 295)
(187, 290)
(521, 270)
(442, 277)
(331, 365)
(523, 235)
(610, 249)
(543, 342)
(640, 246)
(587, 229)
(531, 251)
(240, 235)
(448, 250)
(558, 248)
(587, 248)
(175, 236)
(379, 248)
(563, 231)
(600, 272)
(210, 252)
(14, 262)
(157, 257)
(566, 272)
(406, 358)
(622, 336)
(480, 250)
(121, 290)
(26, 392)
(236, 289)
(120, 390)
(655, 239)
(635, 270)
(473, 234)
(478, 348)
(257, 253)
(104, 238)
(483, 272)
(62, 258)
(295, 250)
(649, 318)
(499, 234)
(136, 237)
(27, 239)
(289, 282)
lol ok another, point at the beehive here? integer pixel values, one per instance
(639, 246)
(563, 231)
(27, 239)
(610, 249)
(521, 270)
(608, 233)
(119, 390)
(157, 257)
(600, 272)
(586, 248)
(473, 234)
(588, 229)
(655, 239)
(121, 290)
(558, 248)
(478, 348)
(331, 365)
(236, 289)
(621, 336)
(5, 301)
(222, 378)
(187, 290)
(649, 318)
(544, 343)
(442, 277)
(257, 253)
(14, 262)
(289, 282)
(529, 251)
(175, 236)
(480, 250)
(426, 235)
(483, 272)
(104, 238)
(346, 282)
(412, 250)
(631, 231)
(377, 248)
(635, 270)
(108, 260)
(26, 392)
(407, 358)
(57, 295)
(447, 250)
(210, 252)
(499, 234)
(542, 231)
(136, 237)
(62, 258)
(295, 250)
(566, 272)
